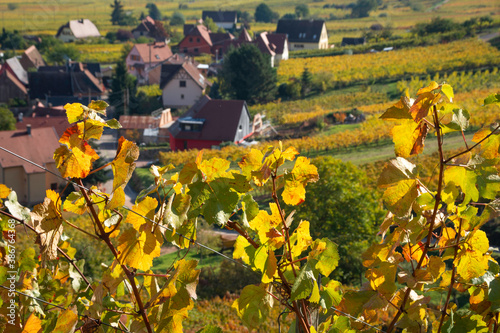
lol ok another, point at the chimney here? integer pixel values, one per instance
(28, 129)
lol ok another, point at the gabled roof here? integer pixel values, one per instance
(168, 72)
(154, 28)
(63, 83)
(220, 16)
(199, 30)
(31, 58)
(28, 146)
(244, 36)
(221, 120)
(82, 28)
(18, 69)
(305, 31)
(158, 51)
(279, 41)
(264, 45)
(6, 72)
(220, 37)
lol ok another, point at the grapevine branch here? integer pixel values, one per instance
(432, 220)
(474, 146)
(130, 275)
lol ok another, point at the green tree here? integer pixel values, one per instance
(306, 81)
(342, 208)
(62, 52)
(123, 87)
(177, 19)
(7, 120)
(263, 13)
(247, 74)
(154, 12)
(362, 8)
(12, 40)
(302, 10)
(118, 14)
(210, 24)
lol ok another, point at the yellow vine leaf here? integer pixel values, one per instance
(302, 173)
(74, 112)
(420, 108)
(251, 162)
(397, 178)
(268, 227)
(472, 260)
(123, 164)
(431, 87)
(415, 253)
(66, 321)
(400, 110)
(33, 325)
(138, 249)
(91, 129)
(47, 221)
(409, 137)
(214, 168)
(145, 208)
(300, 239)
(239, 249)
(491, 146)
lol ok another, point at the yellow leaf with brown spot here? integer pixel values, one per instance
(415, 252)
(251, 162)
(123, 164)
(91, 129)
(472, 260)
(214, 168)
(420, 108)
(409, 137)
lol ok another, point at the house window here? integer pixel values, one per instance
(182, 84)
(185, 50)
(157, 57)
(298, 46)
(134, 57)
(185, 145)
(190, 39)
(198, 40)
(195, 50)
(182, 97)
(187, 127)
(53, 186)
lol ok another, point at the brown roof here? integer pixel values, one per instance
(168, 71)
(60, 124)
(220, 16)
(4, 70)
(139, 122)
(221, 119)
(278, 40)
(305, 31)
(31, 58)
(245, 36)
(159, 52)
(220, 37)
(200, 30)
(264, 45)
(30, 147)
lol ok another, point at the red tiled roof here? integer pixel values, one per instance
(31, 58)
(278, 40)
(159, 52)
(139, 122)
(39, 147)
(60, 124)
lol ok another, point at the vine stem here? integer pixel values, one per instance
(432, 220)
(453, 274)
(474, 146)
(71, 261)
(130, 275)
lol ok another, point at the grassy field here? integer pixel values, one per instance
(46, 16)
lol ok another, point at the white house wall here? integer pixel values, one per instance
(66, 35)
(172, 93)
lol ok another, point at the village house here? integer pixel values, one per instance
(77, 29)
(152, 29)
(154, 73)
(199, 40)
(304, 34)
(32, 59)
(11, 87)
(58, 85)
(181, 84)
(209, 123)
(223, 19)
(146, 129)
(29, 181)
(142, 57)
(42, 116)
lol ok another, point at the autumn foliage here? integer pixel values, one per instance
(430, 242)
